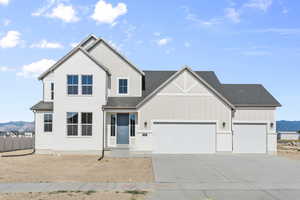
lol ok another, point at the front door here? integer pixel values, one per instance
(123, 128)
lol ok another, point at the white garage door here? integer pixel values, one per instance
(183, 137)
(250, 138)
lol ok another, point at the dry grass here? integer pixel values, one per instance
(294, 155)
(71, 168)
(72, 195)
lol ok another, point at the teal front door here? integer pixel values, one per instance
(123, 128)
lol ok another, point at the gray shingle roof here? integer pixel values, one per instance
(43, 106)
(248, 95)
(237, 94)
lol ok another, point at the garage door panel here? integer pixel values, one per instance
(250, 138)
(183, 138)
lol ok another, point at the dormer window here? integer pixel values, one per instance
(123, 85)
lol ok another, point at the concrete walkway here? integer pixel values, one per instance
(48, 187)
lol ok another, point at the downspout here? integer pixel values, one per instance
(102, 155)
(232, 114)
(26, 154)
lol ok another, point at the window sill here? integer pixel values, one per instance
(79, 136)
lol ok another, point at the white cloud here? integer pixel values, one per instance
(106, 13)
(74, 44)
(281, 31)
(6, 22)
(41, 11)
(187, 44)
(256, 53)
(157, 34)
(64, 12)
(285, 11)
(204, 23)
(263, 5)
(4, 2)
(163, 41)
(36, 68)
(233, 15)
(6, 69)
(10, 40)
(44, 44)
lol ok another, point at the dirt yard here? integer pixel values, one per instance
(289, 149)
(75, 195)
(71, 168)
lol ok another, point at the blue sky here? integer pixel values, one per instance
(243, 41)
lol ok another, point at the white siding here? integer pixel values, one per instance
(47, 86)
(119, 69)
(78, 64)
(43, 140)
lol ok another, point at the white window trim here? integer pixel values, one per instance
(47, 132)
(81, 85)
(121, 94)
(78, 85)
(79, 124)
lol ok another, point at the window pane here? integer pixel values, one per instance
(123, 86)
(87, 79)
(73, 79)
(72, 130)
(52, 86)
(86, 118)
(86, 130)
(47, 127)
(112, 127)
(72, 89)
(87, 90)
(47, 117)
(132, 125)
(72, 118)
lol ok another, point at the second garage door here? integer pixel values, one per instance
(250, 138)
(184, 137)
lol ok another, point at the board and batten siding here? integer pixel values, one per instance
(119, 68)
(187, 99)
(43, 140)
(47, 86)
(260, 115)
(78, 64)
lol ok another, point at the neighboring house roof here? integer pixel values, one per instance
(243, 95)
(94, 44)
(240, 95)
(43, 106)
(72, 52)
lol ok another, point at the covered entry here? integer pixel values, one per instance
(250, 138)
(183, 137)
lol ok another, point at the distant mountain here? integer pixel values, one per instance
(288, 125)
(17, 126)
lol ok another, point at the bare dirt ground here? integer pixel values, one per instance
(73, 195)
(287, 150)
(74, 168)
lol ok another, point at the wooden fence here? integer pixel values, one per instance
(16, 143)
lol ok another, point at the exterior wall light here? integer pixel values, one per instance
(145, 124)
(223, 124)
(272, 125)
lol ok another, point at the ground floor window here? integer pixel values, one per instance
(48, 121)
(72, 124)
(132, 124)
(86, 124)
(113, 125)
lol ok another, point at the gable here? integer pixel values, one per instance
(187, 83)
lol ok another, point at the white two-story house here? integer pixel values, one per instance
(94, 99)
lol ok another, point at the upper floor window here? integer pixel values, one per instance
(123, 86)
(87, 84)
(48, 120)
(72, 84)
(52, 91)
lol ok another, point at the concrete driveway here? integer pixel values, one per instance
(226, 177)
